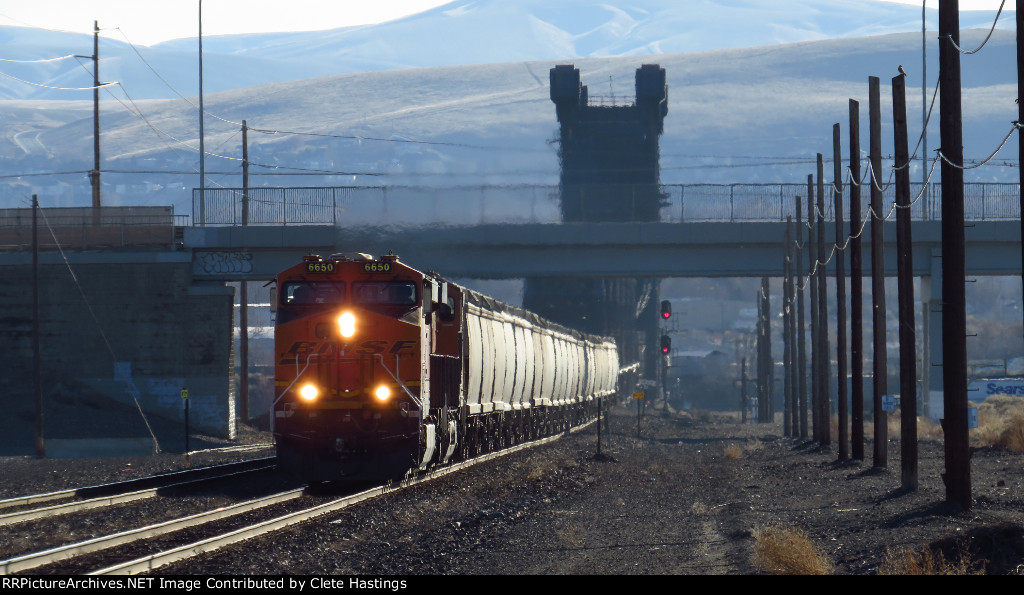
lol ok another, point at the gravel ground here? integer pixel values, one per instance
(687, 496)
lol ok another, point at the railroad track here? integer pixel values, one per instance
(139, 483)
(151, 547)
(121, 492)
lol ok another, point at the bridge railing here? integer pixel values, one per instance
(538, 203)
(80, 227)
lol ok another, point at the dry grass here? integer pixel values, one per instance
(789, 551)
(733, 451)
(1000, 423)
(928, 561)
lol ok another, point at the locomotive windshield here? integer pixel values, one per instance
(310, 293)
(385, 293)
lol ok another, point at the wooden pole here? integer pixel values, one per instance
(879, 367)
(1020, 120)
(801, 341)
(787, 339)
(95, 175)
(743, 390)
(37, 376)
(905, 290)
(813, 305)
(856, 293)
(768, 409)
(954, 318)
(243, 293)
(837, 187)
(823, 362)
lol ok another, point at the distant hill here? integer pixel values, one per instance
(755, 114)
(459, 33)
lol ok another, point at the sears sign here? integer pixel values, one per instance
(979, 390)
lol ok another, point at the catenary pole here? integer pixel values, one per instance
(905, 290)
(841, 369)
(823, 362)
(879, 368)
(801, 341)
(954, 318)
(856, 293)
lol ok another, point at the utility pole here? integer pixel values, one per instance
(823, 362)
(743, 390)
(954, 317)
(243, 297)
(202, 136)
(787, 340)
(794, 364)
(837, 188)
(812, 277)
(879, 367)
(37, 376)
(801, 358)
(905, 293)
(924, 108)
(1020, 119)
(94, 176)
(856, 292)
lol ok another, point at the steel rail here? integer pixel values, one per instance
(65, 552)
(104, 501)
(125, 485)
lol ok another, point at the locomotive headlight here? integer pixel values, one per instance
(382, 393)
(308, 392)
(347, 324)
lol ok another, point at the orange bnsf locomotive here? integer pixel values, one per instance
(382, 370)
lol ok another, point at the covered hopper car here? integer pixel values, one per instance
(382, 370)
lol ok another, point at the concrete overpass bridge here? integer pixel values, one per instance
(498, 251)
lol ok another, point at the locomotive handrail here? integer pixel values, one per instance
(285, 391)
(398, 381)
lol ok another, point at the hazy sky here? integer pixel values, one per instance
(147, 22)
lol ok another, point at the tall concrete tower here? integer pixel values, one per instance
(609, 156)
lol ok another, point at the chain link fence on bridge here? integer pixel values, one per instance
(347, 206)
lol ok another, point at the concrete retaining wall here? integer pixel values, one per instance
(137, 332)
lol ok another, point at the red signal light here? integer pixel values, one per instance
(666, 344)
(666, 309)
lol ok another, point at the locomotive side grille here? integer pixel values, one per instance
(445, 380)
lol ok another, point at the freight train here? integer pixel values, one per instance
(382, 370)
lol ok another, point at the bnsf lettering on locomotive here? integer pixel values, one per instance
(377, 267)
(371, 347)
(302, 349)
(400, 345)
